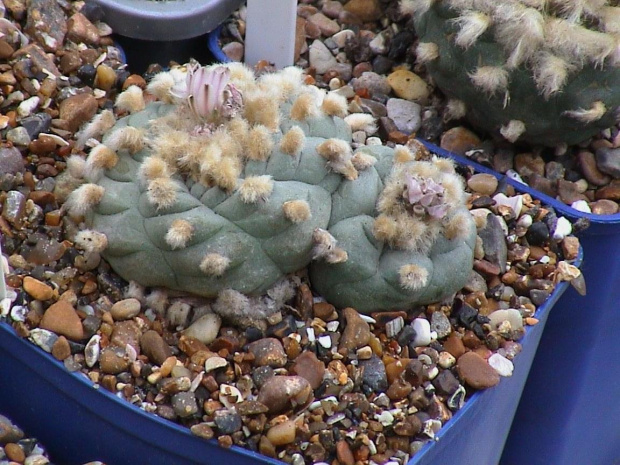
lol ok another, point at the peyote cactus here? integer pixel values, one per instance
(542, 71)
(230, 182)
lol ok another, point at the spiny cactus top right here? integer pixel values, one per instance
(541, 71)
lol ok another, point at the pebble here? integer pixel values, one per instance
(476, 372)
(18, 136)
(9, 432)
(112, 360)
(308, 366)
(11, 161)
(282, 433)
(589, 168)
(604, 207)
(374, 376)
(483, 183)
(510, 315)
(125, 309)
(205, 329)
(184, 404)
(268, 352)
(327, 26)
(440, 324)
(373, 82)
(356, 333)
(227, 421)
(409, 86)
(280, 393)
(459, 140)
(405, 114)
(78, 109)
(494, 242)
(366, 10)
(154, 347)
(501, 364)
(62, 319)
(446, 383)
(608, 161)
(422, 330)
(61, 348)
(321, 58)
(80, 29)
(37, 289)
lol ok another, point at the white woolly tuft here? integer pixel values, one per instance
(472, 24)
(362, 161)
(214, 264)
(130, 100)
(361, 122)
(520, 30)
(550, 73)
(152, 168)
(325, 247)
(162, 192)
(83, 199)
(578, 44)
(91, 241)
(296, 211)
(513, 130)
(304, 107)
(609, 18)
(413, 277)
(455, 109)
(127, 138)
(76, 166)
(179, 233)
(596, 112)
(157, 300)
(293, 141)
(99, 159)
(426, 52)
(255, 188)
(160, 86)
(335, 105)
(490, 79)
(95, 128)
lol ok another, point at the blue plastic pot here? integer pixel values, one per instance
(568, 414)
(79, 423)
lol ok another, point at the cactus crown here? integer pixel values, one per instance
(232, 181)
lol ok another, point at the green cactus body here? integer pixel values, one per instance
(288, 209)
(517, 69)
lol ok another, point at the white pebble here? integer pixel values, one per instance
(325, 341)
(510, 315)
(501, 364)
(92, 350)
(333, 326)
(446, 360)
(205, 328)
(368, 319)
(422, 332)
(310, 333)
(582, 206)
(512, 174)
(562, 229)
(385, 418)
(373, 141)
(515, 202)
(340, 38)
(28, 106)
(393, 327)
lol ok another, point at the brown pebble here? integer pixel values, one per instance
(154, 347)
(78, 109)
(113, 360)
(37, 289)
(304, 301)
(476, 372)
(454, 345)
(356, 332)
(266, 447)
(366, 10)
(202, 430)
(280, 393)
(308, 366)
(14, 452)
(610, 192)
(528, 164)
(6, 50)
(62, 319)
(268, 352)
(323, 310)
(604, 207)
(399, 389)
(61, 348)
(587, 163)
(80, 29)
(282, 433)
(125, 309)
(134, 80)
(483, 183)
(105, 77)
(459, 140)
(344, 453)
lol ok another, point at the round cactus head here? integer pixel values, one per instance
(546, 72)
(229, 182)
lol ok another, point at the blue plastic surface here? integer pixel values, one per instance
(43, 398)
(568, 414)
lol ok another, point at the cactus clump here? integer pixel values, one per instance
(544, 72)
(229, 182)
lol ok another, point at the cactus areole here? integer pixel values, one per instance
(230, 181)
(545, 72)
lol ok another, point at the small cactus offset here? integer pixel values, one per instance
(545, 72)
(229, 182)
